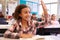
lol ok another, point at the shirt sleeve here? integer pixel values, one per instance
(10, 33)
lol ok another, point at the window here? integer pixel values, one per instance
(47, 1)
(29, 4)
(51, 6)
(0, 7)
(54, 9)
(54, 0)
(33, 4)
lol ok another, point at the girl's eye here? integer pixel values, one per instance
(27, 12)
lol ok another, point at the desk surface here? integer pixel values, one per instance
(50, 26)
(2, 38)
(5, 26)
(53, 26)
(51, 37)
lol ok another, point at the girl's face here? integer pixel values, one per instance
(25, 14)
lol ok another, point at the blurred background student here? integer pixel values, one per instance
(2, 19)
(53, 20)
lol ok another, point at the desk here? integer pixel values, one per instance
(36, 37)
(49, 37)
(2, 38)
(50, 29)
(5, 26)
(53, 26)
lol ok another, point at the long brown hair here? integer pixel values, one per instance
(18, 11)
